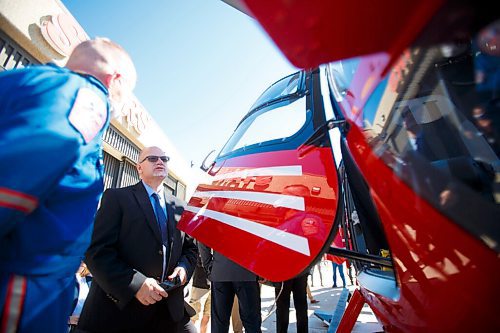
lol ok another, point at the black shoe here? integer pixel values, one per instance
(334, 286)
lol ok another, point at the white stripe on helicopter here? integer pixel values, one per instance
(291, 170)
(291, 241)
(276, 200)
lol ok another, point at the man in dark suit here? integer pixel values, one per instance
(227, 280)
(136, 245)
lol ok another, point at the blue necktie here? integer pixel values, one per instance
(161, 218)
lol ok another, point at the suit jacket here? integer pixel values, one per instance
(221, 269)
(126, 249)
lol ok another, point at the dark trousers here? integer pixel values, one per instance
(157, 324)
(297, 286)
(183, 326)
(248, 293)
(340, 267)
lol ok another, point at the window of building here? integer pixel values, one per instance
(111, 168)
(12, 55)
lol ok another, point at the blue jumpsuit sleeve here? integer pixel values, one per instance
(38, 144)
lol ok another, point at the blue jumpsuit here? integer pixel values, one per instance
(51, 179)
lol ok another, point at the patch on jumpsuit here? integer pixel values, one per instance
(88, 114)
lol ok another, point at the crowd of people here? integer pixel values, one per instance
(131, 261)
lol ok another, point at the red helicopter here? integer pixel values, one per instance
(392, 132)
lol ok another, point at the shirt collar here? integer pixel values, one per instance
(150, 190)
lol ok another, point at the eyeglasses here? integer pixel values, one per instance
(154, 159)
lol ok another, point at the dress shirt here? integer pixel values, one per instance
(161, 195)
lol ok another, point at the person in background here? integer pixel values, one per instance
(317, 267)
(306, 225)
(83, 280)
(297, 286)
(348, 265)
(135, 246)
(201, 289)
(484, 121)
(308, 289)
(310, 296)
(487, 60)
(236, 322)
(227, 280)
(51, 177)
(337, 262)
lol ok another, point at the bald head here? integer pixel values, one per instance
(108, 62)
(152, 166)
(153, 150)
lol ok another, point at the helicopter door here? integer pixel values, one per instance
(272, 195)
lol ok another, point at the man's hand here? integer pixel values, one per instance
(181, 272)
(150, 292)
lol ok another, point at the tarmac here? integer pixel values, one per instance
(328, 298)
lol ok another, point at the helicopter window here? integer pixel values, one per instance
(279, 122)
(342, 73)
(435, 119)
(374, 117)
(284, 87)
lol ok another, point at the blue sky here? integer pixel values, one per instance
(201, 63)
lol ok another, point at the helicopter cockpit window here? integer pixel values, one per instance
(341, 75)
(285, 87)
(438, 127)
(278, 122)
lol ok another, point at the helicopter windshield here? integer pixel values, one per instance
(278, 113)
(276, 122)
(283, 88)
(435, 120)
